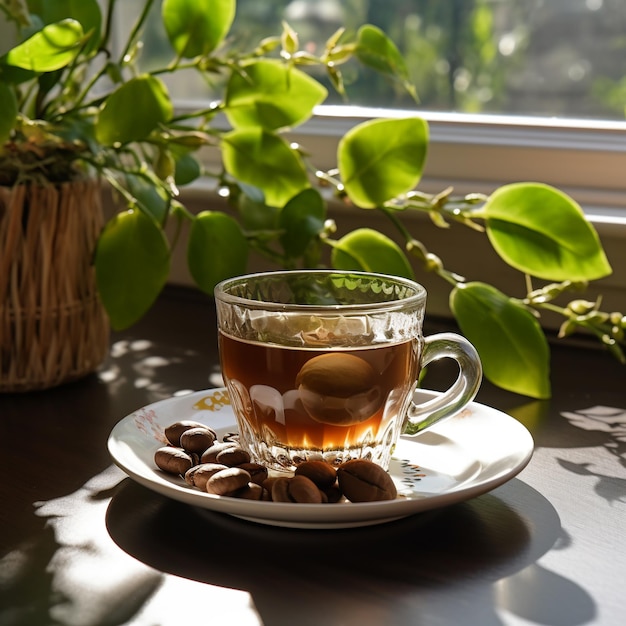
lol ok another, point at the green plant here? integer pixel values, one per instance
(70, 107)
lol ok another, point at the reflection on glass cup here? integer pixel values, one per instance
(322, 364)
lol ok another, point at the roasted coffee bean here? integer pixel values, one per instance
(268, 483)
(227, 481)
(224, 468)
(364, 481)
(256, 470)
(328, 381)
(210, 454)
(321, 473)
(304, 490)
(197, 439)
(251, 491)
(172, 460)
(232, 456)
(175, 430)
(198, 475)
(297, 489)
(280, 489)
(333, 494)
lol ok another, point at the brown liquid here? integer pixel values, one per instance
(304, 399)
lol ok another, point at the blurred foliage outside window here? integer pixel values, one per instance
(549, 58)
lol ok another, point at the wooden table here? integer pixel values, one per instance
(82, 544)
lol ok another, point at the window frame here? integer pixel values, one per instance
(478, 153)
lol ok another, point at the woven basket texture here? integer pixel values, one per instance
(53, 328)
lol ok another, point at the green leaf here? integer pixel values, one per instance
(87, 12)
(272, 95)
(197, 28)
(301, 219)
(187, 169)
(50, 49)
(132, 265)
(217, 249)
(264, 160)
(541, 231)
(255, 214)
(374, 49)
(47, 82)
(382, 159)
(151, 198)
(368, 250)
(10, 74)
(133, 111)
(379, 52)
(8, 111)
(509, 339)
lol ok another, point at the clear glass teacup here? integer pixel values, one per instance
(323, 364)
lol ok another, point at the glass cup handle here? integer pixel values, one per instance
(463, 390)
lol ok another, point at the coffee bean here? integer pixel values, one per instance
(227, 481)
(232, 456)
(225, 469)
(304, 490)
(172, 460)
(198, 475)
(333, 494)
(210, 454)
(258, 472)
(321, 473)
(295, 489)
(268, 483)
(197, 439)
(338, 388)
(280, 489)
(175, 430)
(364, 481)
(251, 491)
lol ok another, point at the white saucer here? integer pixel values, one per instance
(463, 457)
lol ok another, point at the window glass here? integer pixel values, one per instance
(553, 58)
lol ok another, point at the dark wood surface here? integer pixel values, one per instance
(82, 544)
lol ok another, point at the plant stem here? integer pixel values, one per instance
(103, 48)
(396, 222)
(108, 25)
(431, 262)
(548, 306)
(88, 87)
(170, 69)
(136, 29)
(112, 180)
(179, 226)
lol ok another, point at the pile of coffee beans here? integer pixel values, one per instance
(224, 468)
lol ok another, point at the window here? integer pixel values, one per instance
(512, 91)
(549, 58)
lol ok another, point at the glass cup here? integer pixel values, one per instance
(322, 364)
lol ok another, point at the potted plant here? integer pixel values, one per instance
(72, 109)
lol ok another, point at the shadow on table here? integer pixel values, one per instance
(445, 566)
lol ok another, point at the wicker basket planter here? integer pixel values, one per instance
(53, 328)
